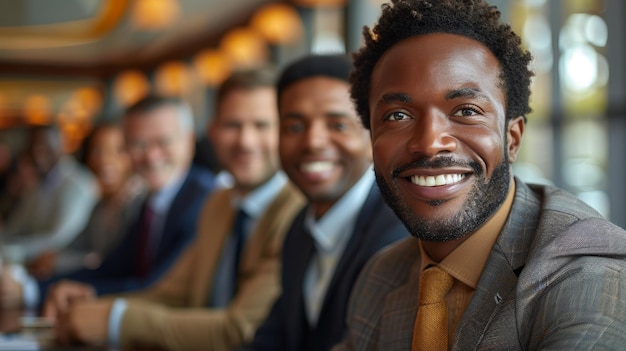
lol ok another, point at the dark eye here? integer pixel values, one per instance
(231, 125)
(466, 112)
(165, 142)
(262, 125)
(339, 126)
(397, 116)
(292, 127)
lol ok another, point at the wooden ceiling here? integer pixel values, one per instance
(97, 39)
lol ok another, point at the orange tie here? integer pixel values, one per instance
(430, 332)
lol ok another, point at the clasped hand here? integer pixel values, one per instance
(78, 316)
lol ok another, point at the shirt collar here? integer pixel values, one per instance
(161, 200)
(338, 221)
(255, 203)
(467, 261)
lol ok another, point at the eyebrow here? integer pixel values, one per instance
(329, 114)
(337, 114)
(291, 115)
(394, 97)
(466, 93)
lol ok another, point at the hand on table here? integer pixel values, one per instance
(85, 322)
(62, 295)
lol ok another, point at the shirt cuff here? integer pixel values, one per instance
(30, 288)
(115, 321)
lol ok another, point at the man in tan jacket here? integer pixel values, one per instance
(211, 299)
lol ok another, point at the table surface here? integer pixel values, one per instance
(12, 333)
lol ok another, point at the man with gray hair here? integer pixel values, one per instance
(160, 139)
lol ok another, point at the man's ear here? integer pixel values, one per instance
(515, 130)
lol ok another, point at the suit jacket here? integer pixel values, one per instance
(151, 317)
(555, 279)
(117, 273)
(287, 327)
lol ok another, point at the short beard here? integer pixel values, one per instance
(483, 201)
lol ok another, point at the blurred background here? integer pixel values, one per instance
(75, 62)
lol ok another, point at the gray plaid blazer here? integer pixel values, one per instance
(555, 279)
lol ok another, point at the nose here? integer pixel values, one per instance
(431, 135)
(247, 137)
(316, 135)
(153, 152)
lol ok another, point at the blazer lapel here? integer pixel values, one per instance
(495, 292)
(361, 230)
(177, 213)
(266, 230)
(213, 229)
(396, 327)
(301, 254)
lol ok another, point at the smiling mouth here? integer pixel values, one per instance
(317, 167)
(438, 180)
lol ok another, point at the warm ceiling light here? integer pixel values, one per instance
(278, 23)
(154, 14)
(320, 3)
(130, 86)
(72, 111)
(245, 47)
(89, 98)
(73, 134)
(38, 110)
(213, 66)
(172, 78)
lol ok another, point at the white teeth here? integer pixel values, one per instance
(316, 167)
(442, 179)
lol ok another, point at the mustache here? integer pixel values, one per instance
(438, 162)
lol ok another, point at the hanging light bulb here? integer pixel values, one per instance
(154, 14)
(130, 86)
(212, 66)
(245, 47)
(278, 23)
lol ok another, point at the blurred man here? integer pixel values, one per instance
(160, 139)
(50, 215)
(222, 287)
(326, 152)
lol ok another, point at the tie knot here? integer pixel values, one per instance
(240, 224)
(241, 215)
(434, 285)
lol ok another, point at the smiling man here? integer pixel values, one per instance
(444, 87)
(327, 154)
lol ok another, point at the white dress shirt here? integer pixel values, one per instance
(331, 235)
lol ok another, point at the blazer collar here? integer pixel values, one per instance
(358, 235)
(499, 278)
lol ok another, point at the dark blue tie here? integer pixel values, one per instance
(225, 279)
(239, 236)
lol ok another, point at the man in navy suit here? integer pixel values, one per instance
(326, 153)
(160, 139)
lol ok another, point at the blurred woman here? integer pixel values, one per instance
(121, 196)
